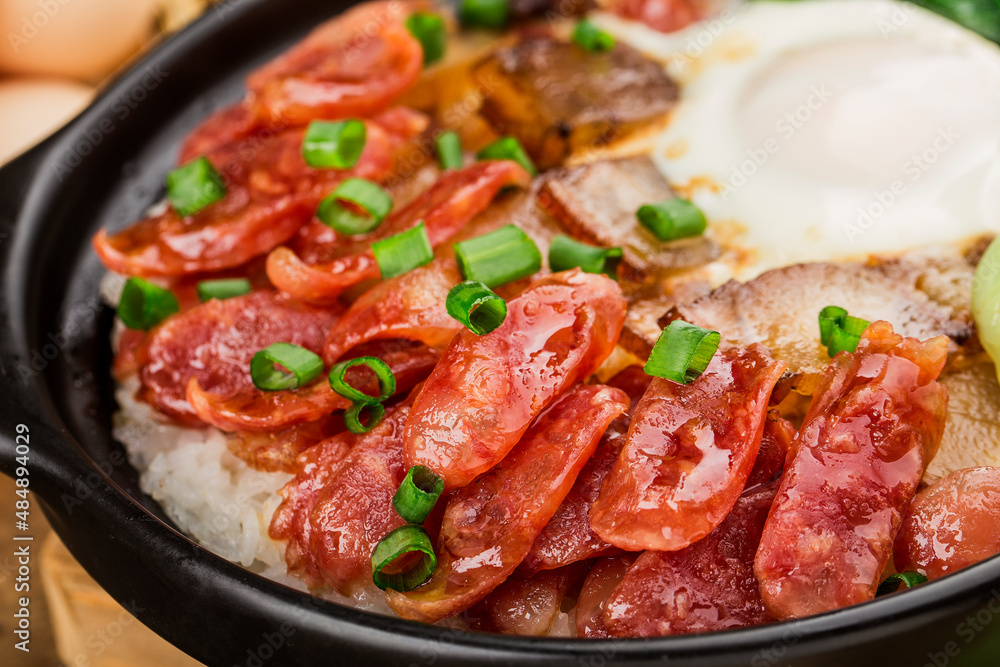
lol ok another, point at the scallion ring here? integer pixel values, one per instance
(363, 417)
(842, 341)
(476, 306)
(225, 288)
(403, 252)
(417, 495)
(408, 539)
(683, 352)
(892, 583)
(370, 203)
(508, 148)
(672, 219)
(334, 145)
(284, 366)
(194, 186)
(483, 13)
(386, 380)
(428, 28)
(828, 319)
(566, 253)
(143, 305)
(500, 257)
(449, 150)
(589, 37)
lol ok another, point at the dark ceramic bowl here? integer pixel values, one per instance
(104, 169)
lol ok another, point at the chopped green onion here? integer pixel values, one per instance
(828, 319)
(284, 366)
(476, 306)
(358, 193)
(194, 186)
(353, 414)
(449, 150)
(842, 341)
(225, 288)
(403, 252)
(143, 305)
(508, 148)
(839, 331)
(673, 219)
(892, 583)
(417, 495)
(500, 257)
(404, 540)
(566, 253)
(428, 28)
(386, 380)
(334, 145)
(483, 13)
(591, 38)
(683, 352)
(854, 325)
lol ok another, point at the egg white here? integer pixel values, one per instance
(831, 129)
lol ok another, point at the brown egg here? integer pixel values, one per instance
(81, 39)
(31, 109)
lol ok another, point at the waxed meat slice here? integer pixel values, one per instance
(660, 15)
(875, 421)
(270, 194)
(578, 197)
(353, 65)
(779, 309)
(486, 390)
(559, 99)
(775, 445)
(278, 451)
(252, 409)
(951, 524)
(489, 525)
(526, 607)
(601, 581)
(457, 197)
(214, 342)
(339, 506)
(689, 451)
(707, 586)
(409, 306)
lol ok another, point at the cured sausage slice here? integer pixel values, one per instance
(707, 586)
(270, 193)
(875, 422)
(457, 197)
(489, 525)
(952, 524)
(254, 410)
(214, 342)
(689, 451)
(340, 505)
(487, 389)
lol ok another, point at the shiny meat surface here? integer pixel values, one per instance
(874, 423)
(557, 98)
(586, 203)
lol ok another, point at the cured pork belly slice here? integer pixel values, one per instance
(597, 203)
(558, 99)
(780, 309)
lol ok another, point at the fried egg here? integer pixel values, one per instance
(831, 129)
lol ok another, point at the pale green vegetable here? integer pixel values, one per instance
(986, 301)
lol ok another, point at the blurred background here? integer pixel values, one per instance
(55, 56)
